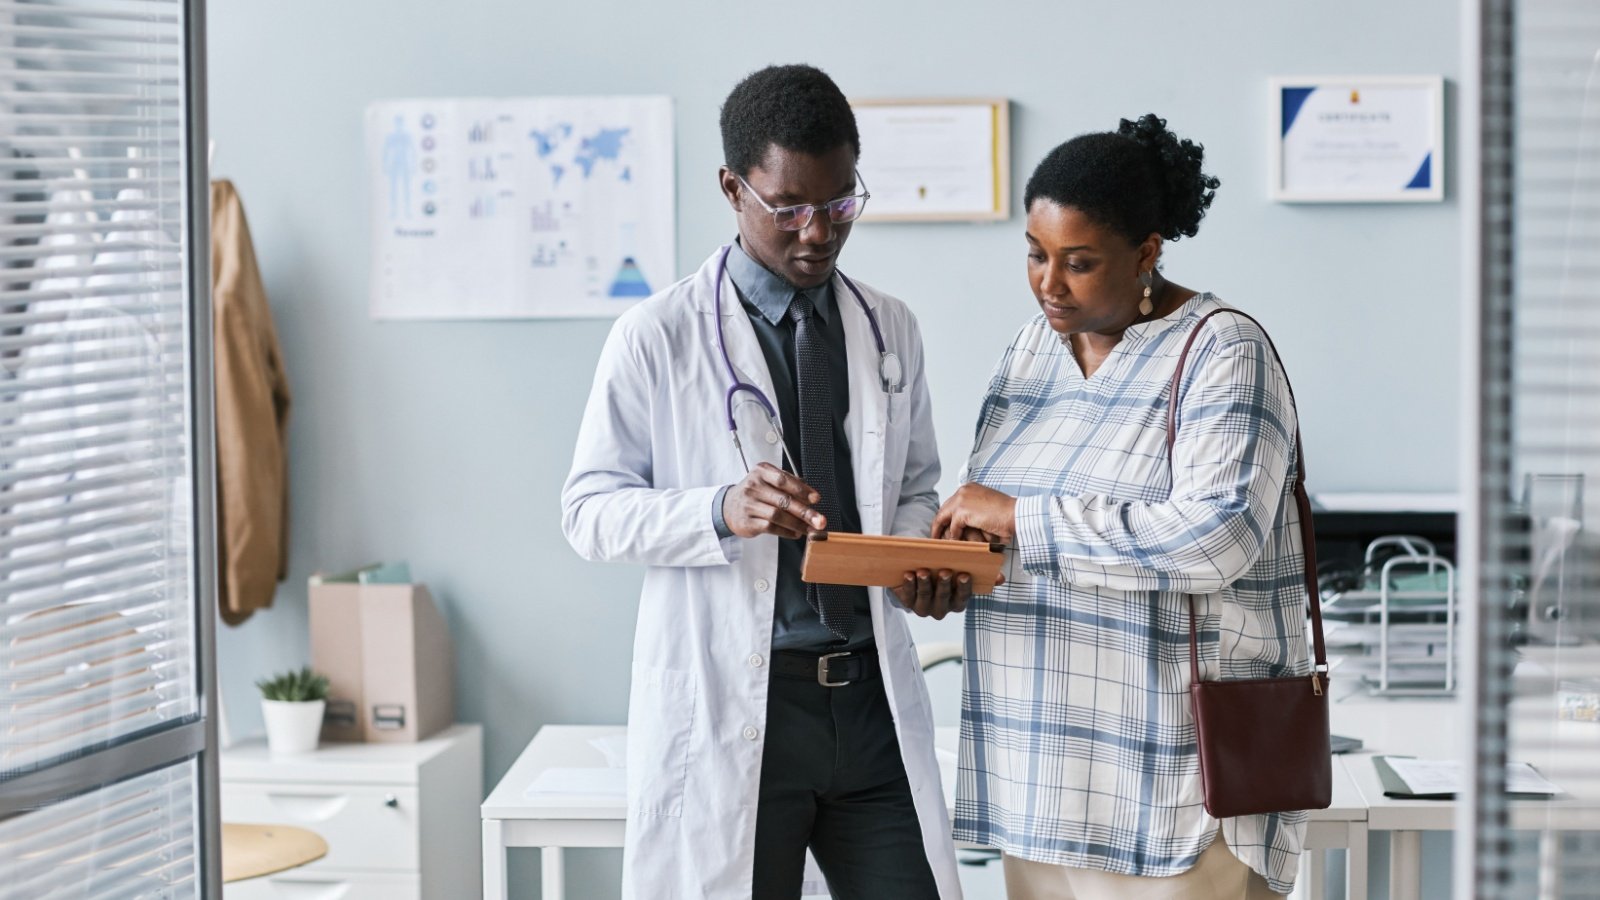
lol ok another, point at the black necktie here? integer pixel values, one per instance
(832, 602)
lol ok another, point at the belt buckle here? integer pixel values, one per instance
(822, 670)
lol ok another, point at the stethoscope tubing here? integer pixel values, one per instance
(735, 384)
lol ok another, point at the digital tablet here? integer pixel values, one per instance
(872, 560)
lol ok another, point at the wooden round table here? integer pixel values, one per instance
(250, 851)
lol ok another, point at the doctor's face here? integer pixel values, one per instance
(804, 258)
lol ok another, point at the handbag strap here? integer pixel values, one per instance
(1302, 500)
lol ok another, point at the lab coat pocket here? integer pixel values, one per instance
(897, 401)
(897, 436)
(660, 723)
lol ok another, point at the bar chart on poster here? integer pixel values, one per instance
(534, 207)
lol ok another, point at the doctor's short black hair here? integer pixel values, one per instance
(1137, 180)
(796, 107)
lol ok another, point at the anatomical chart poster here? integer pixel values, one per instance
(539, 207)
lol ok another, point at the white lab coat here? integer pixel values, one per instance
(651, 455)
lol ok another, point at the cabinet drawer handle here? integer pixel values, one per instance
(309, 807)
(391, 801)
(309, 889)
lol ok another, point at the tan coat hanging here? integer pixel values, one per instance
(252, 418)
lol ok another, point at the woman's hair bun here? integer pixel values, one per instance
(1186, 190)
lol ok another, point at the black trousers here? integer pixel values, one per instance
(832, 780)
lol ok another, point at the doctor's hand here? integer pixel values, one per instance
(934, 594)
(937, 595)
(974, 506)
(771, 501)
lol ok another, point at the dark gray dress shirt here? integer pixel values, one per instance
(766, 297)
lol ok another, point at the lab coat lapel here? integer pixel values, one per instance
(864, 427)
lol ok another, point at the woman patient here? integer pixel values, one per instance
(1078, 755)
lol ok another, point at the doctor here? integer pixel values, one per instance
(763, 397)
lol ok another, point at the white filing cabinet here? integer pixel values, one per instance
(401, 820)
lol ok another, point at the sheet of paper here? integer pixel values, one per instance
(1428, 776)
(1358, 139)
(1521, 778)
(614, 748)
(519, 207)
(558, 781)
(922, 159)
(1434, 776)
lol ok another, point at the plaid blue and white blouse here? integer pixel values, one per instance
(1077, 744)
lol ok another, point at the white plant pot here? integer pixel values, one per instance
(292, 727)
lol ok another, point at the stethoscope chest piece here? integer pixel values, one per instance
(891, 373)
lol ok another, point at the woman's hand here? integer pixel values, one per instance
(975, 507)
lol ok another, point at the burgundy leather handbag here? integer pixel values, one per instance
(1263, 742)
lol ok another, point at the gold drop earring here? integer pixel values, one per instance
(1147, 306)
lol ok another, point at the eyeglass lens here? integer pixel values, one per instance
(840, 211)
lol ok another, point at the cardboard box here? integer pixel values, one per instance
(387, 654)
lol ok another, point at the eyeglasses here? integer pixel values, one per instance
(794, 218)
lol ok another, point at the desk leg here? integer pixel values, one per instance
(1550, 864)
(552, 874)
(1355, 871)
(1405, 865)
(494, 860)
(1312, 883)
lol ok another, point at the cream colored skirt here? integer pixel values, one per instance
(1217, 875)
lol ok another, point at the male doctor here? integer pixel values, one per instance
(769, 716)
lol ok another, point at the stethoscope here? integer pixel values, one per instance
(889, 372)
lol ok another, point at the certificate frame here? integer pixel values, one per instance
(891, 203)
(1289, 96)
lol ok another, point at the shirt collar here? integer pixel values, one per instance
(1153, 327)
(769, 292)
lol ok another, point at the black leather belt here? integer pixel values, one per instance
(827, 669)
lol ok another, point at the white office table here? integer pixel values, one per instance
(1431, 729)
(1403, 727)
(1342, 826)
(549, 822)
(555, 822)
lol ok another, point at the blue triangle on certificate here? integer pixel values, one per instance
(1293, 99)
(1424, 177)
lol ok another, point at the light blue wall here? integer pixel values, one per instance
(446, 444)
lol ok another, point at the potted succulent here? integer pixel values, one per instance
(292, 704)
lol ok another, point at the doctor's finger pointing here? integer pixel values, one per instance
(790, 509)
(771, 501)
(772, 476)
(789, 494)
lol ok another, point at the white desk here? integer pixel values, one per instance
(1405, 727)
(1342, 826)
(554, 822)
(1431, 728)
(550, 822)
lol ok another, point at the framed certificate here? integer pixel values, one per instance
(936, 160)
(1357, 139)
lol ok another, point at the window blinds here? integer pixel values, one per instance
(133, 839)
(1538, 503)
(100, 638)
(94, 497)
